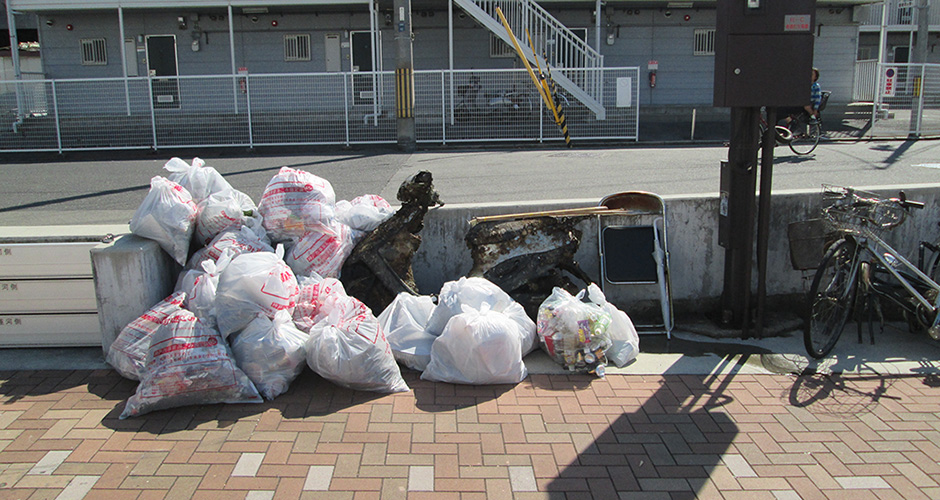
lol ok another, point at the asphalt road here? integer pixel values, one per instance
(90, 189)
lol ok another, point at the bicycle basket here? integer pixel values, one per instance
(851, 209)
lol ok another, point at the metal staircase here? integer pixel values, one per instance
(576, 66)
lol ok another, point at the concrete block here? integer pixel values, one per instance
(131, 275)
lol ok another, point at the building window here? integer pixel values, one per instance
(704, 42)
(296, 48)
(499, 48)
(94, 52)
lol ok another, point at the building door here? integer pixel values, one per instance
(162, 62)
(332, 55)
(363, 85)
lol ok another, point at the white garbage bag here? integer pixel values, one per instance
(322, 250)
(188, 363)
(625, 342)
(477, 292)
(363, 213)
(223, 210)
(348, 347)
(477, 347)
(201, 285)
(404, 322)
(313, 291)
(294, 202)
(573, 332)
(254, 283)
(200, 180)
(167, 215)
(271, 353)
(128, 352)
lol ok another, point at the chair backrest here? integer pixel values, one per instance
(635, 200)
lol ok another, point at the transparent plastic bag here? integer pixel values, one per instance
(271, 353)
(254, 283)
(348, 347)
(573, 332)
(476, 293)
(625, 342)
(404, 322)
(313, 291)
(294, 202)
(188, 363)
(128, 352)
(477, 347)
(167, 215)
(200, 180)
(363, 213)
(201, 286)
(321, 251)
(223, 210)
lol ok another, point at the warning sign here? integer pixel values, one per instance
(890, 82)
(796, 22)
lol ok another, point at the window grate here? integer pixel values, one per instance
(499, 48)
(297, 47)
(94, 52)
(704, 42)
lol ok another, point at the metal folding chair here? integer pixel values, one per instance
(634, 249)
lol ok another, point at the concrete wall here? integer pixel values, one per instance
(696, 259)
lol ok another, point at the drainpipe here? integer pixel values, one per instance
(127, 92)
(17, 73)
(231, 48)
(919, 54)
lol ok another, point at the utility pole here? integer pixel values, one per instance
(404, 76)
(919, 57)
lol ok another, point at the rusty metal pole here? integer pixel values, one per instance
(741, 185)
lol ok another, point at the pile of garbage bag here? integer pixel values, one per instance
(259, 298)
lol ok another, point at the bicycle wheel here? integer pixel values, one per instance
(805, 137)
(831, 298)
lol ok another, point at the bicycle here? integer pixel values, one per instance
(801, 133)
(860, 267)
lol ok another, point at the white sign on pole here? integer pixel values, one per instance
(891, 74)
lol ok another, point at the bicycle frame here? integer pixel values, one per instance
(871, 243)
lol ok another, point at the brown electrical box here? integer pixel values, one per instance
(764, 52)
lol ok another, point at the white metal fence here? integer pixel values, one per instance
(907, 100)
(298, 109)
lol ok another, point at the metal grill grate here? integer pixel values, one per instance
(704, 42)
(297, 47)
(94, 52)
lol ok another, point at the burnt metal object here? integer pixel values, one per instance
(379, 267)
(527, 257)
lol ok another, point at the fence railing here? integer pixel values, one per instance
(907, 100)
(900, 13)
(299, 109)
(866, 78)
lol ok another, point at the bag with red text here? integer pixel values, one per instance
(322, 250)
(236, 240)
(224, 210)
(201, 286)
(128, 352)
(294, 202)
(252, 284)
(348, 347)
(167, 215)
(313, 291)
(188, 363)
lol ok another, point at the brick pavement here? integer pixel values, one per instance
(551, 436)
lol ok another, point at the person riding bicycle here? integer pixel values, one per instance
(812, 109)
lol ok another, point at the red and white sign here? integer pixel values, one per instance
(890, 82)
(796, 22)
